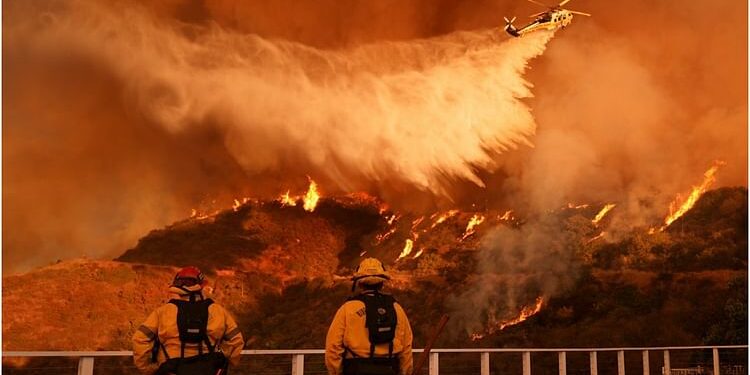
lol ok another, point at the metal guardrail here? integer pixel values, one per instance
(86, 359)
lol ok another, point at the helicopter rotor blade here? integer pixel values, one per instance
(563, 3)
(536, 15)
(540, 4)
(581, 13)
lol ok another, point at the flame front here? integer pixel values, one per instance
(603, 213)
(676, 209)
(525, 313)
(443, 217)
(407, 248)
(470, 227)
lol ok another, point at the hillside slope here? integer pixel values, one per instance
(277, 268)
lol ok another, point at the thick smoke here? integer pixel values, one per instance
(514, 268)
(415, 113)
(410, 111)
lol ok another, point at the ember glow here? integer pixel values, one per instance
(471, 226)
(525, 313)
(507, 216)
(603, 213)
(598, 236)
(680, 206)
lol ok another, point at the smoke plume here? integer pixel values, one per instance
(121, 116)
(417, 113)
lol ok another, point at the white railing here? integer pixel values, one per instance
(86, 359)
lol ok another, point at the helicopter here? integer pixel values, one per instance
(554, 18)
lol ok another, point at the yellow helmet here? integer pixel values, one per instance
(370, 271)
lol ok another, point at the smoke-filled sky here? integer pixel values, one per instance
(121, 116)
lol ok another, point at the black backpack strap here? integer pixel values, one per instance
(163, 349)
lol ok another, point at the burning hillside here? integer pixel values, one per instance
(536, 207)
(263, 255)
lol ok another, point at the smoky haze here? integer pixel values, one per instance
(119, 117)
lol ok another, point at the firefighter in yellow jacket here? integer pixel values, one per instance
(190, 334)
(370, 333)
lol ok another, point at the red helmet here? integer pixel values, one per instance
(188, 276)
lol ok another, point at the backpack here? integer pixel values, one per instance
(380, 319)
(192, 322)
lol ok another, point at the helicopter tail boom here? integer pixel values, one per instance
(509, 28)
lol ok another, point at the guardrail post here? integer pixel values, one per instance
(620, 362)
(646, 368)
(562, 367)
(667, 369)
(716, 361)
(592, 363)
(526, 363)
(86, 366)
(434, 363)
(298, 364)
(485, 370)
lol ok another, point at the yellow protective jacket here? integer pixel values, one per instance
(348, 331)
(163, 322)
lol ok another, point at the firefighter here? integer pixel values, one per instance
(370, 333)
(189, 335)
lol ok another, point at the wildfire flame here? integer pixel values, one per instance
(604, 211)
(286, 200)
(407, 248)
(508, 216)
(384, 236)
(677, 209)
(311, 198)
(525, 313)
(443, 217)
(598, 236)
(416, 222)
(393, 218)
(470, 227)
(574, 206)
